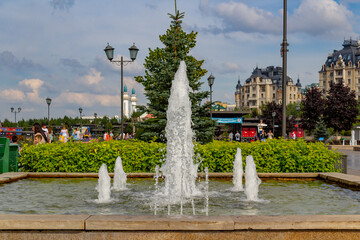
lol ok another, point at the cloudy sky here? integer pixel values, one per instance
(55, 47)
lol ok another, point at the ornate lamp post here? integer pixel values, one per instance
(211, 80)
(14, 111)
(110, 55)
(273, 115)
(297, 120)
(48, 101)
(80, 111)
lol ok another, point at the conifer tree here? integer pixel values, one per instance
(321, 130)
(160, 68)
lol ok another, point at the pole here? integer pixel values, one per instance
(211, 102)
(15, 119)
(284, 75)
(274, 125)
(122, 98)
(48, 115)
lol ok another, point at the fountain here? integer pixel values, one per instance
(103, 186)
(238, 172)
(179, 170)
(252, 181)
(119, 176)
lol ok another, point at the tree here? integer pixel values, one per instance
(312, 108)
(341, 107)
(321, 130)
(161, 65)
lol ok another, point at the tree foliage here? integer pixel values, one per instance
(160, 67)
(312, 108)
(321, 130)
(341, 107)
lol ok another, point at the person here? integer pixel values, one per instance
(64, 134)
(293, 135)
(231, 136)
(261, 126)
(262, 136)
(46, 131)
(15, 140)
(51, 135)
(111, 135)
(39, 135)
(237, 136)
(270, 135)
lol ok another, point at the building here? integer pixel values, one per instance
(342, 65)
(264, 86)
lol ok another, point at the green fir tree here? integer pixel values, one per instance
(321, 131)
(160, 67)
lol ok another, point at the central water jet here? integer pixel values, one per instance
(179, 169)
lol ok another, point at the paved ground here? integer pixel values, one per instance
(353, 161)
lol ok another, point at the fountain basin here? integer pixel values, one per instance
(25, 226)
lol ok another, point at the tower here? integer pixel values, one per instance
(126, 103)
(133, 101)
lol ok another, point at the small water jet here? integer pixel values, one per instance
(252, 181)
(119, 176)
(238, 172)
(103, 187)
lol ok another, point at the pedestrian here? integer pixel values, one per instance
(261, 127)
(46, 131)
(270, 135)
(111, 135)
(15, 140)
(64, 134)
(51, 135)
(237, 136)
(39, 135)
(293, 135)
(231, 136)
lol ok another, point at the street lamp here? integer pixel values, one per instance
(14, 111)
(48, 101)
(110, 55)
(284, 51)
(273, 115)
(211, 80)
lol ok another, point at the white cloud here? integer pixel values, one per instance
(88, 99)
(32, 84)
(324, 18)
(321, 18)
(94, 77)
(237, 16)
(12, 95)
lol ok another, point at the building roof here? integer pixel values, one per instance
(270, 72)
(350, 52)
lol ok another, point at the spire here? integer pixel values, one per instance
(125, 88)
(133, 91)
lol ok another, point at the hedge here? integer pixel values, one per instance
(276, 155)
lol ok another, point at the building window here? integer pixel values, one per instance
(349, 81)
(349, 73)
(359, 80)
(274, 88)
(290, 96)
(331, 74)
(254, 95)
(263, 88)
(262, 95)
(339, 72)
(294, 96)
(273, 95)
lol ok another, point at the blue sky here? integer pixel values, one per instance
(55, 48)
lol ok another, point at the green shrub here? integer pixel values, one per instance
(276, 155)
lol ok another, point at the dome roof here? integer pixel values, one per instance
(133, 91)
(125, 88)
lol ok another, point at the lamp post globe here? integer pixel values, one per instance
(12, 109)
(133, 52)
(109, 50)
(48, 101)
(273, 115)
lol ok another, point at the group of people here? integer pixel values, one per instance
(110, 136)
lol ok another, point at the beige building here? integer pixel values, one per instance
(342, 65)
(263, 86)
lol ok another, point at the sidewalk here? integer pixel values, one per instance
(353, 161)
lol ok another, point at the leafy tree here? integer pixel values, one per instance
(161, 65)
(313, 107)
(321, 130)
(341, 107)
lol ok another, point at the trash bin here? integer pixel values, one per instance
(4, 154)
(13, 156)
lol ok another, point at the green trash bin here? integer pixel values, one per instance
(4, 154)
(13, 156)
